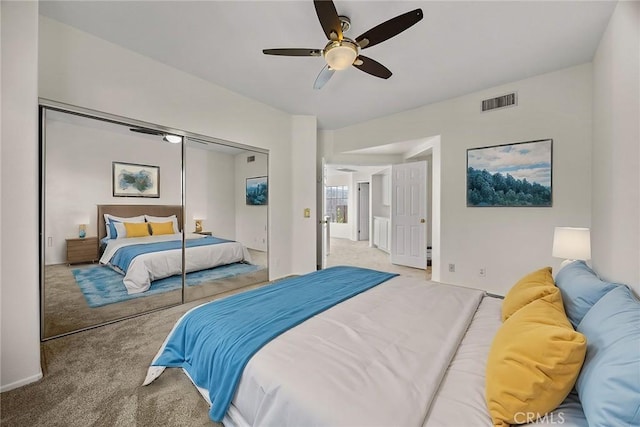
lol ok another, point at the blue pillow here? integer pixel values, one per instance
(609, 382)
(581, 288)
(113, 233)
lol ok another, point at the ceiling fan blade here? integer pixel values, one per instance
(293, 52)
(388, 29)
(328, 16)
(372, 67)
(323, 77)
(146, 131)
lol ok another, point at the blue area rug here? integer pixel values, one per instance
(101, 285)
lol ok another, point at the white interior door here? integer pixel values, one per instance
(363, 211)
(409, 214)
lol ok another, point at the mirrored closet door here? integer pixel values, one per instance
(100, 179)
(136, 217)
(226, 218)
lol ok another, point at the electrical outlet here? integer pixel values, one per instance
(482, 272)
(452, 268)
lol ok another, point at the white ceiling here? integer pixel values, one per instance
(458, 48)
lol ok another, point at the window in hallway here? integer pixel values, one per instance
(336, 202)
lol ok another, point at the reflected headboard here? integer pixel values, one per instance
(135, 210)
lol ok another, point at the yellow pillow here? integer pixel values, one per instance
(533, 363)
(140, 229)
(531, 287)
(161, 228)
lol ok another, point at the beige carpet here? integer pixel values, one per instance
(93, 378)
(359, 254)
(66, 310)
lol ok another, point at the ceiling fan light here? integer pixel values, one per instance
(340, 56)
(174, 139)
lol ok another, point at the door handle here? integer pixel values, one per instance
(422, 221)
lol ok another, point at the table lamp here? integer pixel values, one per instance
(571, 243)
(82, 231)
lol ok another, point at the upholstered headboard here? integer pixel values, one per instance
(134, 210)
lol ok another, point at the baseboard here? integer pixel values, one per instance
(21, 382)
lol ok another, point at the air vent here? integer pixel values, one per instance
(346, 170)
(251, 159)
(504, 101)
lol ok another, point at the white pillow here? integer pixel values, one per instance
(171, 218)
(121, 229)
(116, 219)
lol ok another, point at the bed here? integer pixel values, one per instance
(152, 249)
(393, 350)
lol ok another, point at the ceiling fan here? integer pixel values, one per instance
(341, 52)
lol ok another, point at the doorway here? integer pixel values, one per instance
(375, 167)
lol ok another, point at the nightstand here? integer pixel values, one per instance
(204, 233)
(82, 250)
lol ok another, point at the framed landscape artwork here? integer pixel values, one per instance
(517, 174)
(133, 180)
(257, 191)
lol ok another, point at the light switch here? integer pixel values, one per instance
(307, 213)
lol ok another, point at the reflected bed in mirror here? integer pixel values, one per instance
(143, 243)
(144, 272)
(86, 293)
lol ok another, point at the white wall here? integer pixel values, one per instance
(507, 242)
(251, 226)
(615, 234)
(209, 195)
(80, 69)
(19, 313)
(381, 186)
(304, 135)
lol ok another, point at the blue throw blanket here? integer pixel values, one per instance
(214, 342)
(123, 256)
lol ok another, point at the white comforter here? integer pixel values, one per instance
(375, 359)
(146, 268)
(405, 353)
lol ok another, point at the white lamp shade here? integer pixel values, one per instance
(341, 57)
(572, 243)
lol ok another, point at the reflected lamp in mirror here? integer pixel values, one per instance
(571, 243)
(82, 231)
(198, 225)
